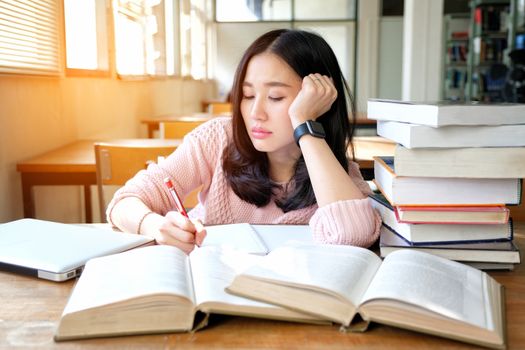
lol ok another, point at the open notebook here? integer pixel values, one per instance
(57, 251)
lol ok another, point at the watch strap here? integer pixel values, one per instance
(309, 127)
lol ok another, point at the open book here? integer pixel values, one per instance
(254, 239)
(409, 289)
(160, 289)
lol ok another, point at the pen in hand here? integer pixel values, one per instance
(201, 233)
(175, 196)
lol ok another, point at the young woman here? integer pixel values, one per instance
(280, 159)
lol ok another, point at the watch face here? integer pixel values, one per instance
(316, 128)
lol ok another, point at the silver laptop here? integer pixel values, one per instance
(56, 251)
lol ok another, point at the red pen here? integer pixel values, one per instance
(175, 196)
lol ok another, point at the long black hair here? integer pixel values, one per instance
(246, 169)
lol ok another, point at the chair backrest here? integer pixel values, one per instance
(118, 161)
(178, 129)
(220, 108)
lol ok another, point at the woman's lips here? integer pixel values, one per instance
(260, 133)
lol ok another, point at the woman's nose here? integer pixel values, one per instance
(257, 110)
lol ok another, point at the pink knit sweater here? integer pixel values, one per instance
(198, 162)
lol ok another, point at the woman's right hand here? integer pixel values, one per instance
(175, 229)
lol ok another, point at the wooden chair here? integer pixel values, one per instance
(177, 129)
(220, 108)
(118, 161)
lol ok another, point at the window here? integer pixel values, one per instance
(284, 10)
(29, 37)
(244, 20)
(324, 10)
(86, 33)
(140, 37)
(129, 37)
(253, 10)
(194, 26)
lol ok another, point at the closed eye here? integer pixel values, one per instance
(247, 97)
(276, 99)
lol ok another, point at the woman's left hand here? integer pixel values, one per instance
(317, 95)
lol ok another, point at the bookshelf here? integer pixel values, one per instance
(456, 45)
(487, 62)
(517, 25)
(515, 87)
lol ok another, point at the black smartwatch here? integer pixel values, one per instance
(309, 127)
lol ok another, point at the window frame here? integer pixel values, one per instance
(84, 72)
(292, 18)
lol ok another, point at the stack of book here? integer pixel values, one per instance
(455, 168)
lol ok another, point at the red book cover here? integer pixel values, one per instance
(478, 16)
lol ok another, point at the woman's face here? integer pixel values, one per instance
(269, 88)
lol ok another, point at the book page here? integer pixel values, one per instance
(214, 268)
(342, 270)
(275, 236)
(440, 285)
(238, 236)
(134, 273)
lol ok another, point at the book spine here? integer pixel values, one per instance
(520, 190)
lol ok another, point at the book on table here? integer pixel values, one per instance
(417, 190)
(485, 162)
(422, 136)
(451, 214)
(160, 289)
(441, 113)
(440, 233)
(409, 289)
(487, 252)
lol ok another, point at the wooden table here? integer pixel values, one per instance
(367, 147)
(31, 308)
(72, 164)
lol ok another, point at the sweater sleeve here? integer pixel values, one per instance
(352, 222)
(189, 166)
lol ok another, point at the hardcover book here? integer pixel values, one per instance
(493, 162)
(441, 233)
(452, 214)
(441, 113)
(409, 289)
(487, 252)
(417, 190)
(421, 136)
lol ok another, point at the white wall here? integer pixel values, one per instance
(367, 52)
(390, 57)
